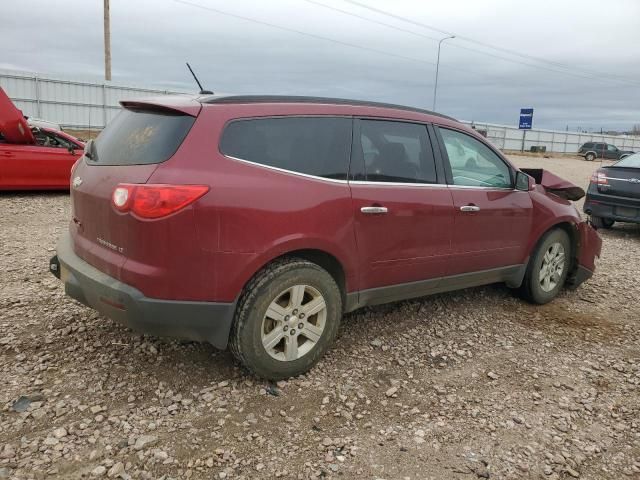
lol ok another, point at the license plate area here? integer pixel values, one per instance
(627, 212)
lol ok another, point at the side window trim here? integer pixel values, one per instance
(357, 173)
(437, 154)
(447, 164)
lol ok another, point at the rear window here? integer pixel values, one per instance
(141, 137)
(318, 146)
(632, 161)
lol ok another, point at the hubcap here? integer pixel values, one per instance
(552, 267)
(294, 323)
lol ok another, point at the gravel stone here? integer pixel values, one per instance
(404, 393)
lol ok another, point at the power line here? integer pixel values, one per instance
(300, 32)
(356, 46)
(394, 27)
(595, 75)
(351, 14)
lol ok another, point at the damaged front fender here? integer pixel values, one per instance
(554, 184)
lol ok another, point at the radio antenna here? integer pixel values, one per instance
(202, 90)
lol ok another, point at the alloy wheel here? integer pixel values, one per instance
(552, 268)
(294, 322)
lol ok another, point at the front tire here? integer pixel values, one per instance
(548, 268)
(602, 222)
(590, 157)
(286, 319)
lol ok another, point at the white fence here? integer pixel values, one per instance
(86, 104)
(70, 103)
(511, 138)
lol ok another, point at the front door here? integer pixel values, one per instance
(402, 209)
(612, 152)
(492, 220)
(42, 166)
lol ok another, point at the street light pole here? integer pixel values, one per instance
(107, 42)
(435, 87)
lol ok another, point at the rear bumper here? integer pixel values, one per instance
(199, 321)
(620, 209)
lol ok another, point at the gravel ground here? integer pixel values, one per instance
(471, 384)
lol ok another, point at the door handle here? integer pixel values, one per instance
(374, 210)
(470, 208)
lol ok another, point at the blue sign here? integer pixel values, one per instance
(526, 118)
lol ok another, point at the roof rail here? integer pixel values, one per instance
(226, 99)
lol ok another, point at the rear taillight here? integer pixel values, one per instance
(151, 201)
(599, 178)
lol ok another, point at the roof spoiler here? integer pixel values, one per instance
(167, 104)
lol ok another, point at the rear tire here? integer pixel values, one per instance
(602, 222)
(590, 157)
(548, 268)
(286, 319)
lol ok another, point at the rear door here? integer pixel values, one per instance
(128, 150)
(402, 207)
(492, 220)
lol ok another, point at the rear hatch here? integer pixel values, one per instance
(127, 151)
(621, 182)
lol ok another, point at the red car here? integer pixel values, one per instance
(258, 221)
(33, 158)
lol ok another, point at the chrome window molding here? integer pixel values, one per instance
(362, 182)
(397, 184)
(474, 187)
(284, 170)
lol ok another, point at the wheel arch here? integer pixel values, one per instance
(319, 256)
(571, 230)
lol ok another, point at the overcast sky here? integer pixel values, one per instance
(151, 40)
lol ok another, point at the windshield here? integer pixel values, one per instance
(632, 161)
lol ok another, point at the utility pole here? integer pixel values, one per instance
(107, 42)
(435, 87)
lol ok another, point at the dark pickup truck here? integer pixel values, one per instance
(592, 150)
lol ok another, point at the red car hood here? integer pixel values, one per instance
(13, 126)
(554, 184)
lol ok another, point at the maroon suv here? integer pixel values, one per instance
(258, 221)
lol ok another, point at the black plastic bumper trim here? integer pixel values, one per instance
(198, 321)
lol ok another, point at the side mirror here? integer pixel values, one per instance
(524, 182)
(72, 149)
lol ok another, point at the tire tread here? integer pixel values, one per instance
(251, 291)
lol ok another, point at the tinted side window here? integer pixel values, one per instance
(473, 163)
(394, 152)
(317, 146)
